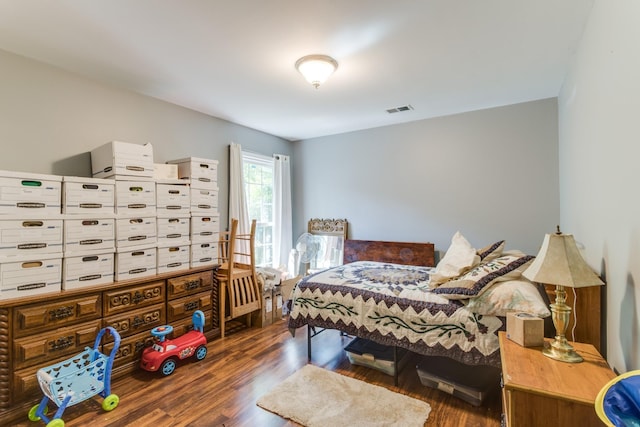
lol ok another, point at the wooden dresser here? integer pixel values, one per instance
(540, 391)
(39, 331)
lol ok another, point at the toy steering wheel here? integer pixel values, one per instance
(161, 331)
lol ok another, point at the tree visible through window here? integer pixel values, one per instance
(258, 183)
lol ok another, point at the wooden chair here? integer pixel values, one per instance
(239, 291)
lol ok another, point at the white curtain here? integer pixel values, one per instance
(237, 198)
(282, 223)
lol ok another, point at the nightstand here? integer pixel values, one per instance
(539, 391)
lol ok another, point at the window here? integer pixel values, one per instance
(258, 186)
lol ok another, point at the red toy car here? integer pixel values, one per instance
(164, 354)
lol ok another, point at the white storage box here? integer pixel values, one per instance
(203, 254)
(204, 200)
(118, 158)
(472, 384)
(34, 276)
(205, 228)
(134, 262)
(30, 236)
(173, 230)
(136, 231)
(203, 173)
(173, 258)
(87, 270)
(88, 196)
(173, 199)
(136, 198)
(89, 234)
(165, 171)
(30, 194)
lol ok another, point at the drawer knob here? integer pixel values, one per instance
(191, 305)
(192, 284)
(61, 343)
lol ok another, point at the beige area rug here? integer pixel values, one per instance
(316, 397)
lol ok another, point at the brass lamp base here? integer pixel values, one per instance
(561, 350)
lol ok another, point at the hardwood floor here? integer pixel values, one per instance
(222, 389)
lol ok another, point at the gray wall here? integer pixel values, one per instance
(51, 119)
(599, 150)
(492, 174)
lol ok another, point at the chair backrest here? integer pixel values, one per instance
(237, 250)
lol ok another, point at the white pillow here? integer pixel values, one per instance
(459, 258)
(511, 295)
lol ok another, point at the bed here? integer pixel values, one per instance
(393, 294)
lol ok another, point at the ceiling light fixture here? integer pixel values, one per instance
(316, 69)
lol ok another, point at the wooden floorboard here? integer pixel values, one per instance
(222, 389)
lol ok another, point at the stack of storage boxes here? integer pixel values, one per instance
(124, 223)
(30, 234)
(205, 219)
(131, 166)
(89, 231)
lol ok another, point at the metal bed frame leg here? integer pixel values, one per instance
(308, 343)
(395, 365)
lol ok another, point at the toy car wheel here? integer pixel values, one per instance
(56, 422)
(33, 413)
(168, 366)
(201, 352)
(110, 402)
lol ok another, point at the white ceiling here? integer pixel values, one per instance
(234, 59)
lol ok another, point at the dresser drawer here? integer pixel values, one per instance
(184, 307)
(133, 322)
(42, 348)
(181, 327)
(120, 300)
(26, 384)
(189, 284)
(52, 314)
(130, 349)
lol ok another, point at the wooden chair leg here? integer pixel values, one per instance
(222, 292)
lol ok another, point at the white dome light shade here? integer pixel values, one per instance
(316, 69)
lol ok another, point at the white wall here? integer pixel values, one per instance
(599, 112)
(51, 119)
(492, 174)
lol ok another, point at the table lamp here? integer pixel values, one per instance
(559, 263)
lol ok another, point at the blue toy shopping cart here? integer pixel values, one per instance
(77, 379)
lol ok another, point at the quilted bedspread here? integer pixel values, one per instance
(392, 305)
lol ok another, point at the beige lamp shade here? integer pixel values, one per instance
(559, 263)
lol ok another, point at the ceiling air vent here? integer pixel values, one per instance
(400, 109)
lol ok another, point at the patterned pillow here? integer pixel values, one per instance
(491, 252)
(511, 295)
(484, 275)
(458, 259)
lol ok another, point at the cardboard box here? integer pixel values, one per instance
(89, 234)
(173, 199)
(136, 262)
(31, 236)
(136, 198)
(264, 317)
(205, 228)
(136, 231)
(525, 329)
(88, 196)
(174, 230)
(473, 384)
(87, 270)
(277, 304)
(117, 158)
(203, 173)
(29, 277)
(203, 254)
(32, 194)
(165, 171)
(204, 200)
(173, 258)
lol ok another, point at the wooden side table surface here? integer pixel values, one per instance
(529, 378)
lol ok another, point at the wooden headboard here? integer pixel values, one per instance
(405, 253)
